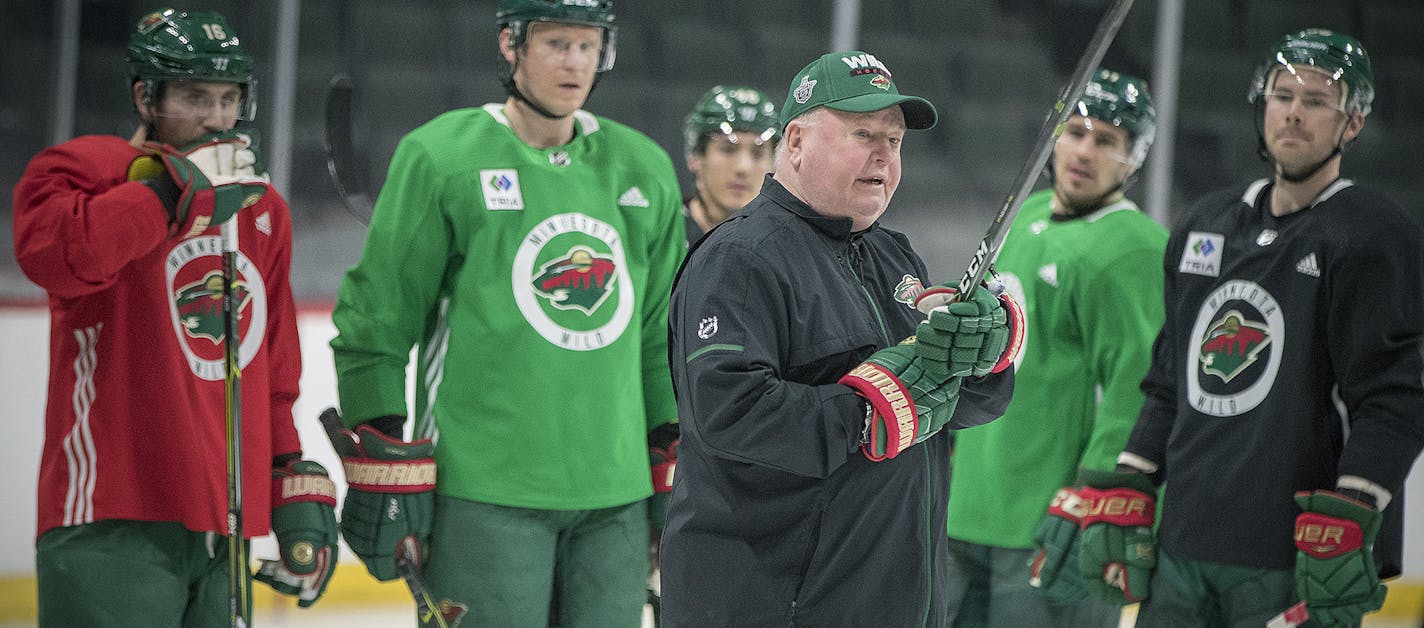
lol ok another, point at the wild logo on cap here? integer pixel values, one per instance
(866, 86)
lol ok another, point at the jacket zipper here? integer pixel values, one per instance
(852, 249)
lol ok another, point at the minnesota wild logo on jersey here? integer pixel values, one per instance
(200, 306)
(580, 280)
(908, 288)
(193, 271)
(568, 271)
(1235, 353)
(1231, 345)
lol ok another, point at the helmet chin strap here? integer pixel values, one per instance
(1310, 172)
(1082, 209)
(506, 76)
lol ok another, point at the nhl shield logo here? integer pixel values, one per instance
(707, 327)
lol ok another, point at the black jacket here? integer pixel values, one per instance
(776, 518)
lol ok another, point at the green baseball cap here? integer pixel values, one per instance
(852, 81)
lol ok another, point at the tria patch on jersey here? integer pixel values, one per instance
(1202, 254)
(633, 198)
(908, 289)
(501, 189)
(1234, 350)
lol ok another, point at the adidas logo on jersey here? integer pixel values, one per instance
(633, 198)
(1308, 266)
(264, 223)
(1049, 274)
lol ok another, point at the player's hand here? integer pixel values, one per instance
(390, 495)
(662, 459)
(204, 183)
(1334, 563)
(1117, 547)
(304, 522)
(978, 336)
(1054, 569)
(910, 400)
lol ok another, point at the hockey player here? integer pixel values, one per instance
(730, 137)
(1284, 398)
(123, 235)
(1083, 260)
(527, 249)
(811, 485)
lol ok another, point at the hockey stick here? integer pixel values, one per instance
(1290, 618)
(988, 249)
(407, 554)
(340, 148)
(239, 587)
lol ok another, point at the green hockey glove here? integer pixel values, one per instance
(1117, 548)
(1334, 565)
(1054, 569)
(304, 522)
(390, 493)
(978, 336)
(909, 402)
(202, 184)
(662, 459)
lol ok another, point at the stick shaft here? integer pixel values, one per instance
(988, 249)
(239, 586)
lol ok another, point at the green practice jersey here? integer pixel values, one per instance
(535, 284)
(1091, 289)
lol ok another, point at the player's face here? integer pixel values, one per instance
(1090, 159)
(1305, 119)
(848, 164)
(190, 109)
(557, 64)
(730, 168)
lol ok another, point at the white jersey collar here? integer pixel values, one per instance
(587, 123)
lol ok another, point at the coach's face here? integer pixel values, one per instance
(846, 165)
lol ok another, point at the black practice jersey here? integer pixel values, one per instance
(1290, 357)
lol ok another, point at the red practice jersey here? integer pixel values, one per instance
(135, 421)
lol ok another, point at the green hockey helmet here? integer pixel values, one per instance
(170, 45)
(516, 15)
(1339, 56)
(1122, 101)
(727, 109)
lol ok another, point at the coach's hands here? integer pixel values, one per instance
(977, 336)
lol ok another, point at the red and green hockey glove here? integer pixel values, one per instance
(978, 336)
(1054, 569)
(1334, 565)
(662, 458)
(202, 184)
(908, 401)
(304, 522)
(1116, 545)
(390, 494)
